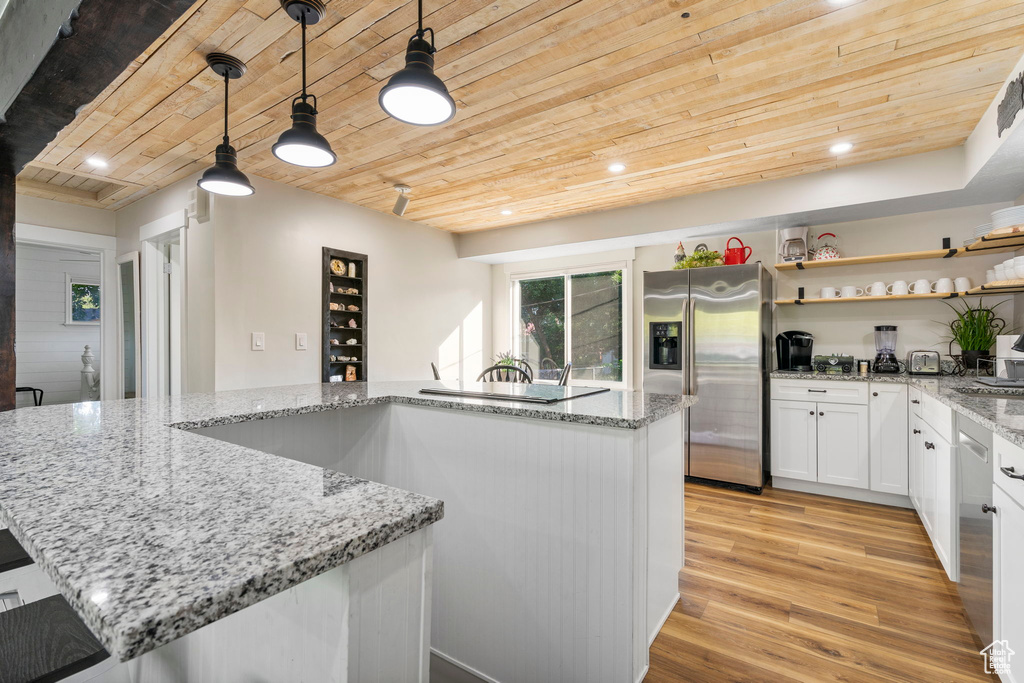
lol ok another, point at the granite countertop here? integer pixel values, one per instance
(1004, 416)
(151, 532)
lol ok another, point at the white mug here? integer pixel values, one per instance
(829, 293)
(1000, 270)
(943, 285)
(921, 286)
(851, 292)
(990, 275)
(1018, 267)
(898, 288)
(875, 289)
(961, 284)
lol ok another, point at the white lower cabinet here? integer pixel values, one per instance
(915, 446)
(889, 456)
(843, 445)
(1007, 584)
(852, 434)
(1008, 554)
(795, 439)
(937, 463)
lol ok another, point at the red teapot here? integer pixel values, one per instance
(736, 255)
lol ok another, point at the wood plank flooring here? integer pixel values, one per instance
(789, 586)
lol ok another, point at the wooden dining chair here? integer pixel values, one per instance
(563, 379)
(505, 373)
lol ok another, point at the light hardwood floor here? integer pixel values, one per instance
(789, 586)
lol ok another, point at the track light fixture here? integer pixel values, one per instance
(414, 94)
(301, 144)
(224, 177)
(403, 199)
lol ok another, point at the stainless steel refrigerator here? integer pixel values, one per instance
(707, 332)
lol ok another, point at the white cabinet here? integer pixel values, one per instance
(931, 488)
(795, 440)
(1007, 584)
(843, 445)
(915, 483)
(889, 455)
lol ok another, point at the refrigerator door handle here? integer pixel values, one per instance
(691, 387)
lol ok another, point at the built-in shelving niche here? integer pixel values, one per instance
(336, 326)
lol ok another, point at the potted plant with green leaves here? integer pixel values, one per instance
(974, 331)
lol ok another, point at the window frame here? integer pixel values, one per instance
(70, 280)
(566, 273)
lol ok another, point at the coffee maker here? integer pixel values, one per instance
(793, 350)
(885, 349)
(793, 244)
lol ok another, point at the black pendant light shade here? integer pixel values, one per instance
(415, 94)
(301, 144)
(224, 177)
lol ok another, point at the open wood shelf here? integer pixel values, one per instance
(861, 260)
(990, 289)
(332, 368)
(997, 241)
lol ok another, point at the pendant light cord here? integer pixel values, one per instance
(304, 56)
(420, 31)
(226, 89)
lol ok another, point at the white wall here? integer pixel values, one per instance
(51, 214)
(48, 351)
(838, 328)
(255, 267)
(424, 304)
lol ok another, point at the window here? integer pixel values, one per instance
(572, 317)
(82, 301)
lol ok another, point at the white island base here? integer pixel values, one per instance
(559, 552)
(366, 621)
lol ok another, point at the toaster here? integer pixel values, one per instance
(923, 363)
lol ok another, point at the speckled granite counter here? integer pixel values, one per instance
(152, 532)
(1004, 416)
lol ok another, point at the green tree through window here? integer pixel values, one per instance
(85, 302)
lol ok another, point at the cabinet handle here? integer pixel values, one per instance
(985, 507)
(914, 400)
(917, 431)
(812, 412)
(930, 446)
(818, 391)
(1010, 472)
(874, 393)
(821, 413)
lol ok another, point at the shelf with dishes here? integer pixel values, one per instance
(1004, 234)
(345, 302)
(997, 288)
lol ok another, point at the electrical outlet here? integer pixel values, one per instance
(258, 340)
(300, 341)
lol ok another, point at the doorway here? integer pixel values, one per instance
(163, 307)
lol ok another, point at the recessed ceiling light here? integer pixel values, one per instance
(841, 147)
(96, 162)
(617, 168)
(506, 212)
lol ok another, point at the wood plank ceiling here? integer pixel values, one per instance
(550, 92)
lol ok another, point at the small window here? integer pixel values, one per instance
(83, 301)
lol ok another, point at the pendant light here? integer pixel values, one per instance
(301, 144)
(224, 177)
(414, 94)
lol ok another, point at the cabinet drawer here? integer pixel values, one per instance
(1009, 455)
(938, 416)
(820, 390)
(914, 396)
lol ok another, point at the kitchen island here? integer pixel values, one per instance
(557, 558)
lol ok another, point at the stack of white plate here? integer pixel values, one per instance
(983, 230)
(1008, 217)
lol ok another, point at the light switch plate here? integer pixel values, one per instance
(258, 341)
(300, 341)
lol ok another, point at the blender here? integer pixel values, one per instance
(885, 349)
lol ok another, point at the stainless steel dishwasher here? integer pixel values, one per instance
(974, 495)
